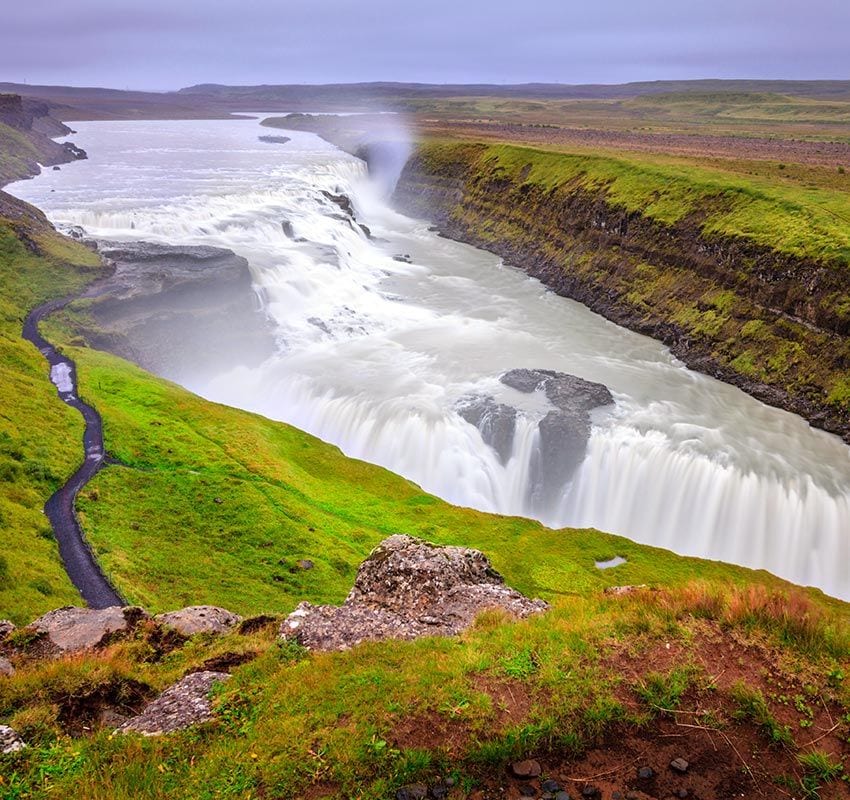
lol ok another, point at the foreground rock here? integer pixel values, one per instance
(184, 704)
(10, 741)
(200, 619)
(405, 589)
(71, 629)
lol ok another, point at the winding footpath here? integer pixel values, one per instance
(79, 561)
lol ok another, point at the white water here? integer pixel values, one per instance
(374, 353)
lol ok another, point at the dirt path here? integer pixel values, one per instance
(79, 561)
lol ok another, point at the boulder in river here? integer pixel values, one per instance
(564, 431)
(408, 588)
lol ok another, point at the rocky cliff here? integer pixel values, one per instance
(774, 323)
(26, 128)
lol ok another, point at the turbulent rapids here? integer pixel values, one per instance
(385, 331)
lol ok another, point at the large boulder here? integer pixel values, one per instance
(408, 588)
(10, 741)
(182, 705)
(200, 619)
(71, 628)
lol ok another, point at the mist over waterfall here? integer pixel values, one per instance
(385, 332)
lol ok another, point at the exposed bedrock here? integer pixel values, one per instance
(184, 312)
(563, 432)
(408, 588)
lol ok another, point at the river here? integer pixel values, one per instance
(375, 353)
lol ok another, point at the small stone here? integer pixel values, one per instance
(218, 501)
(10, 741)
(547, 796)
(550, 786)
(305, 564)
(449, 782)
(6, 627)
(645, 773)
(526, 769)
(439, 791)
(562, 795)
(526, 790)
(591, 792)
(617, 796)
(6, 667)
(679, 765)
(632, 796)
(682, 793)
(415, 791)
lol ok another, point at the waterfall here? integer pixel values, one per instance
(383, 331)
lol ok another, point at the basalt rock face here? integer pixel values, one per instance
(495, 421)
(31, 118)
(184, 312)
(765, 321)
(405, 589)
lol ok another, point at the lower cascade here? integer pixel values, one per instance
(435, 360)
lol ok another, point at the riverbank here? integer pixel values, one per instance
(747, 282)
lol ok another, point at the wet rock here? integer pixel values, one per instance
(366, 230)
(200, 619)
(6, 667)
(71, 629)
(288, 230)
(408, 588)
(564, 431)
(679, 765)
(56, 169)
(6, 627)
(645, 773)
(275, 139)
(341, 200)
(526, 769)
(76, 153)
(415, 791)
(402, 258)
(495, 421)
(10, 741)
(184, 704)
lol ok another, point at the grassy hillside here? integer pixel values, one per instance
(40, 438)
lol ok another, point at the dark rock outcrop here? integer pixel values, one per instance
(495, 421)
(564, 431)
(275, 139)
(184, 312)
(408, 588)
(184, 704)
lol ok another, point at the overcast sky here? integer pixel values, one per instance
(166, 44)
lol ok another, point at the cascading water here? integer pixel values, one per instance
(375, 353)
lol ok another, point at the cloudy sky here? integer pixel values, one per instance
(166, 44)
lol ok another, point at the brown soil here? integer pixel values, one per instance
(827, 154)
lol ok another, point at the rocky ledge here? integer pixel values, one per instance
(408, 588)
(183, 312)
